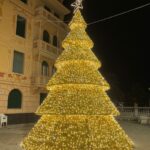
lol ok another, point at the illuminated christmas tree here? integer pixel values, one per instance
(77, 113)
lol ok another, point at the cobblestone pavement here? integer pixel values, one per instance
(11, 136)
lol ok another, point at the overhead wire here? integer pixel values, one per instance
(119, 14)
(110, 17)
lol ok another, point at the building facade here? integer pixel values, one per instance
(31, 32)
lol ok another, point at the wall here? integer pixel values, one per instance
(30, 83)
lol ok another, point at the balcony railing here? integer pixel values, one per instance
(41, 81)
(46, 47)
(42, 12)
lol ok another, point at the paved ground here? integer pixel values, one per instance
(11, 136)
(140, 134)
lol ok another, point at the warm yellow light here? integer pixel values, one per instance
(77, 113)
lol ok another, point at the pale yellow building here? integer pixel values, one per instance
(31, 32)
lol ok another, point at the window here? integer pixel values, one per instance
(55, 41)
(46, 36)
(18, 62)
(14, 99)
(21, 26)
(24, 1)
(45, 68)
(56, 15)
(46, 8)
(53, 70)
(42, 97)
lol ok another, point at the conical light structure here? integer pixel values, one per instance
(77, 113)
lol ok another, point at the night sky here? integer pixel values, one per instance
(122, 43)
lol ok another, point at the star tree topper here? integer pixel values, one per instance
(77, 5)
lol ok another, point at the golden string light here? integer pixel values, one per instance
(77, 113)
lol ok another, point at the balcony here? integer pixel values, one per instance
(58, 5)
(46, 48)
(43, 13)
(41, 81)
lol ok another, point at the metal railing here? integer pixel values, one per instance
(134, 111)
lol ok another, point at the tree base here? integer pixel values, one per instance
(77, 133)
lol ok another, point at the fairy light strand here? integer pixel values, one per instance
(77, 114)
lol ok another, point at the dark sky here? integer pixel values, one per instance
(123, 43)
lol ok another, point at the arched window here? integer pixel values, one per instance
(46, 36)
(14, 99)
(47, 8)
(56, 15)
(55, 41)
(45, 68)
